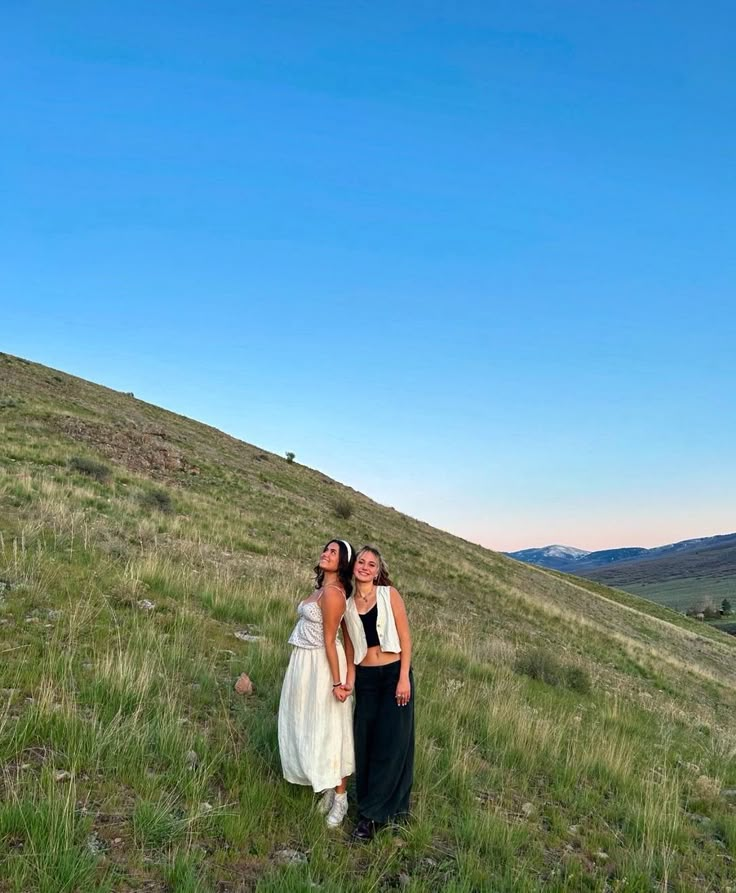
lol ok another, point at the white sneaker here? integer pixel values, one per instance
(326, 800)
(338, 812)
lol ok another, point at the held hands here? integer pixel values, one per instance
(403, 692)
(342, 692)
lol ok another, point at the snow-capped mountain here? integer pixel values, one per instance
(555, 556)
(579, 561)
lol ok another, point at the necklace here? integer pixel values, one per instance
(366, 597)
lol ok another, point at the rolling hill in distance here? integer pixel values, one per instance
(570, 736)
(680, 575)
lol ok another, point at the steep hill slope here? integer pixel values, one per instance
(135, 544)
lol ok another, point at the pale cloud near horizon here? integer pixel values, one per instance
(615, 533)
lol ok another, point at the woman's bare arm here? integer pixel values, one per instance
(403, 687)
(350, 656)
(332, 605)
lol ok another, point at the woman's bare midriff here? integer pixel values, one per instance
(374, 657)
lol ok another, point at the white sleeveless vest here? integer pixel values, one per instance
(388, 637)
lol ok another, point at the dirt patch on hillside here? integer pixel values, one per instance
(141, 450)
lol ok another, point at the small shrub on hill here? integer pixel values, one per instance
(577, 679)
(342, 508)
(290, 457)
(543, 666)
(158, 500)
(90, 468)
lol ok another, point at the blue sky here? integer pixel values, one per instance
(475, 260)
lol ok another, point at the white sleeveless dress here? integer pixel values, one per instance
(315, 729)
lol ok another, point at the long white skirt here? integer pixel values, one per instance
(315, 729)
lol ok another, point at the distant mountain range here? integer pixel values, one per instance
(678, 574)
(575, 561)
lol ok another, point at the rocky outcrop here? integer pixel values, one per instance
(140, 450)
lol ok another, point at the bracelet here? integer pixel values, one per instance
(335, 684)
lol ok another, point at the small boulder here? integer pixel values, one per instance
(246, 636)
(95, 844)
(192, 759)
(243, 685)
(290, 857)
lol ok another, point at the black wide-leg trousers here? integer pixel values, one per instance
(384, 743)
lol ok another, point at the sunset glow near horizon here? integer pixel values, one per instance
(476, 263)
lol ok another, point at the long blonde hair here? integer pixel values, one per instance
(382, 578)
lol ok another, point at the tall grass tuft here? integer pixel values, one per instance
(43, 841)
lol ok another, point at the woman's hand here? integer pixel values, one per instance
(403, 691)
(342, 692)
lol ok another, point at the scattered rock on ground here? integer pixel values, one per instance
(527, 809)
(192, 758)
(146, 605)
(243, 685)
(62, 775)
(246, 636)
(290, 857)
(95, 845)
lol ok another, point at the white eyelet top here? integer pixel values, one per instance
(309, 631)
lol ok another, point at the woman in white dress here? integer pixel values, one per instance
(315, 711)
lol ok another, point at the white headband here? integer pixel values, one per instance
(347, 546)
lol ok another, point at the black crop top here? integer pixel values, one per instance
(369, 626)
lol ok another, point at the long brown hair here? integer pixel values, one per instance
(382, 578)
(344, 567)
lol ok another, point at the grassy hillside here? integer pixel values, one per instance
(703, 574)
(135, 544)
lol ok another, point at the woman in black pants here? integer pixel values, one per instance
(379, 643)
